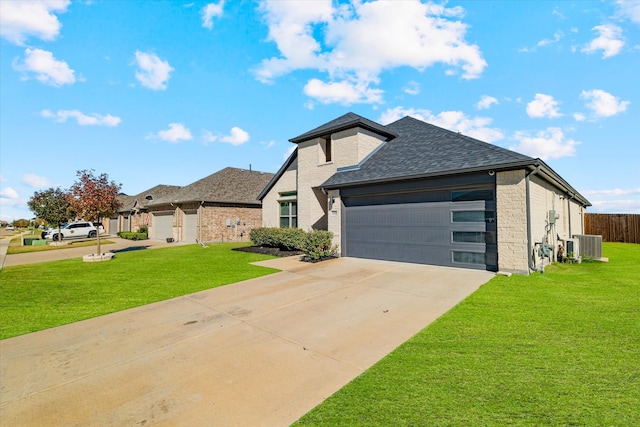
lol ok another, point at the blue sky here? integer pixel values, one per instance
(168, 92)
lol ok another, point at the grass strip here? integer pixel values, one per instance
(16, 246)
(40, 296)
(560, 348)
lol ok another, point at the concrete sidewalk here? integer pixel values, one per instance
(257, 353)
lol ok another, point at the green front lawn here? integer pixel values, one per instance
(40, 296)
(561, 348)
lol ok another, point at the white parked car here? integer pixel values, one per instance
(72, 230)
(10, 228)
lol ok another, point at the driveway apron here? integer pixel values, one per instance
(262, 352)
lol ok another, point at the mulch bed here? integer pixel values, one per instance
(279, 253)
(268, 251)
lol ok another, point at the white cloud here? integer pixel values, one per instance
(35, 181)
(629, 9)
(48, 70)
(558, 13)
(346, 43)
(237, 136)
(344, 92)
(602, 103)
(208, 137)
(614, 192)
(579, 117)
(82, 119)
(486, 102)
(412, 88)
(152, 72)
(457, 121)
(556, 38)
(546, 144)
(628, 206)
(21, 19)
(176, 133)
(610, 40)
(9, 193)
(543, 106)
(211, 11)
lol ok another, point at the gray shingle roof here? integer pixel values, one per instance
(422, 149)
(229, 185)
(346, 121)
(157, 193)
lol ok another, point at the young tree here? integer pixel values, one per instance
(94, 197)
(51, 205)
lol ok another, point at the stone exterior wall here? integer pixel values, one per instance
(288, 182)
(511, 211)
(513, 250)
(335, 217)
(545, 198)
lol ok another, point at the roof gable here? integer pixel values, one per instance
(346, 121)
(144, 198)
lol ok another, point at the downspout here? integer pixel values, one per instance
(530, 251)
(200, 220)
(569, 212)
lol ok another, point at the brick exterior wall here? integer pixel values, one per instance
(212, 221)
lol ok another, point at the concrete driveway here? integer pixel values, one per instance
(260, 352)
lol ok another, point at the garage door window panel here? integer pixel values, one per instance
(472, 195)
(473, 216)
(484, 237)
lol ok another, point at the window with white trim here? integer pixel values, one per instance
(288, 214)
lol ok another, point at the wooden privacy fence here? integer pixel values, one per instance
(614, 227)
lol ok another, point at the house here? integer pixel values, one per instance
(218, 208)
(413, 192)
(133, 214)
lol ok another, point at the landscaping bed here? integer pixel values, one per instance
(268, 251)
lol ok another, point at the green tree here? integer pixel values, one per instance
(94, 197)
(51, 205)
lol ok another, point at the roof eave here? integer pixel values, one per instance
(549, 173)
(278, 174)
(341, 127)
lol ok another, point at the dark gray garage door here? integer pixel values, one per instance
(457, 232)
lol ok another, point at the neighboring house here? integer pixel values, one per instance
(413, 192)
(221, 207)
(133, 213)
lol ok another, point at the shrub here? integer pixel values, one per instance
(317, 245)
(143, 229)
(287, 239)
(130, 235)
(291, 239)
(262, 236)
